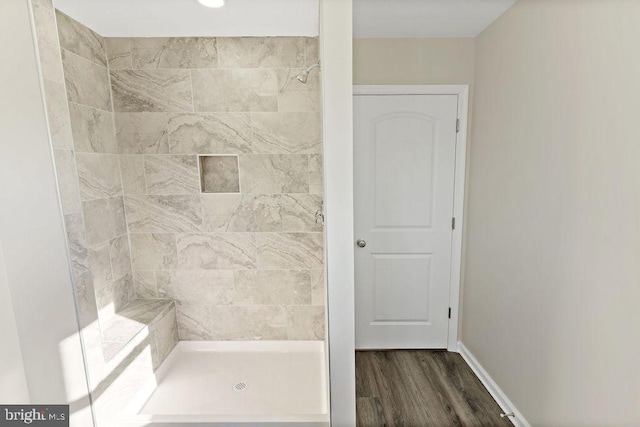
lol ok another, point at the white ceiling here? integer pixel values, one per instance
(425, 18)
(372, 18)
(174, 18)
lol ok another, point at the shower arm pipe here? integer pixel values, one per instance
(302, 77)
(308, 70)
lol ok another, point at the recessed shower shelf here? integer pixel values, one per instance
(219, 174)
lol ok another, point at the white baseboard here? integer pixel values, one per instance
(503, 401)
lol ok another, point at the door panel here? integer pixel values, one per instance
(404, 183)
(400, 294)
(408, 155)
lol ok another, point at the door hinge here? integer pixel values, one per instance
(457, 125)
(449, 312)
(453, 223)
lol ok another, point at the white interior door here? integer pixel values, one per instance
(404, 192)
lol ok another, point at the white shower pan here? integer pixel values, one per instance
(252, 383)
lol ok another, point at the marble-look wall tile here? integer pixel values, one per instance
(316, 178)
(248, 323)
(163, 214)
(142, 133)
(48, 4)
(104, 219)
(132, 173)
(48, 46)
(67, 181)
(114, 296)
(166, 174)
(194, 323)
(219, 174)
(218, 133)
(87, 83)
(277, 287)
(81, 269)
(104, 132)
(80, 40)
(99, 175)
(269, 174)
(165, 333)
(293, 133)
(197, 288)
(174, 52)
(77, 244)
(101, 265)
(222, 251)
(120, 256)
(145, 312)
(93, 130)
(290, 251)
(294, 96)
(299, 101)
(210, 265)
(118, 53)
(153, 251)
(126, 288)
(235, 90)
(144, 284)
(305, 323)
(261, 52)
(58, 115)
(298, 212)
(86, 299)
(237, 212)
(318, 287)
(151, 90)
(312, 50)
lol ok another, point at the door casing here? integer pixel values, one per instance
(459, 183)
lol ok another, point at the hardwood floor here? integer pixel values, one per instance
(417, 388)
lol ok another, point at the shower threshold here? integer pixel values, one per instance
(248, 383)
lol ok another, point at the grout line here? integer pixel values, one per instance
(90, 107)
(144, 175)
(106, 68)
(193, 95)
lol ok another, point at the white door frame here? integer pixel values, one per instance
(460, 171)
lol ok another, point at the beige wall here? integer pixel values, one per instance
(553, 240)
(417, 61)
(413, 61)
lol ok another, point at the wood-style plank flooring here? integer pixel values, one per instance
(418, 388)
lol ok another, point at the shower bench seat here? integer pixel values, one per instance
(152, 315)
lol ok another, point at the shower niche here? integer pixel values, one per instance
(219, 174)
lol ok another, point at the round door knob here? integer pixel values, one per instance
(361, 243)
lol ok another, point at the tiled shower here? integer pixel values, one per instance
(216, 170)
(190, 176)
